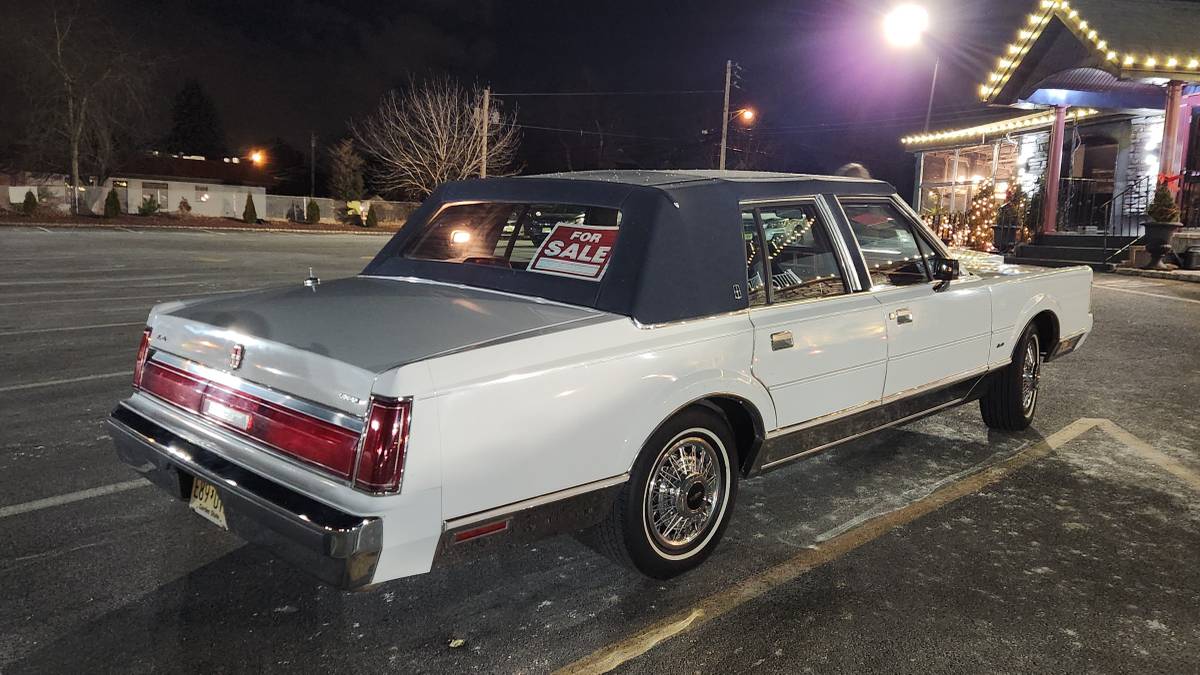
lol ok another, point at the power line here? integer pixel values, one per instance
(586, 132)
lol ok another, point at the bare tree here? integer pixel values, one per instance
(87, 90)
(432, 133)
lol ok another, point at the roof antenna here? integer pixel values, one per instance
(312, 281)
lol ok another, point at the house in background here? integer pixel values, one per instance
(1104, 101)
(210, 187)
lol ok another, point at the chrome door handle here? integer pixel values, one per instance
(901, 316)
(782, 340)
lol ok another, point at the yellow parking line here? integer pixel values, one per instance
(614, 655)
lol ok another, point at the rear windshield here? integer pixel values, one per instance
(554, 239)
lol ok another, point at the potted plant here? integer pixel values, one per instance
(1164, 222)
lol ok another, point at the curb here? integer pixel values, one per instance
(1157, 274)
(186, 228)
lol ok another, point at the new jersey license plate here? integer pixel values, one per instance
(207, 502)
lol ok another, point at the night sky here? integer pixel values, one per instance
(827, 88)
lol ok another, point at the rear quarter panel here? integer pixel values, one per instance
(546, 413)
(1021, 293)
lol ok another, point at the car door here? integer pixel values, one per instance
(935, 334)
(819, 347)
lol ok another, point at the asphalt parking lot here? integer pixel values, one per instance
(936, 547)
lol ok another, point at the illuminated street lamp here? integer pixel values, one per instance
(903, 27)
(258, 157)
(905, 24)
(746, 115)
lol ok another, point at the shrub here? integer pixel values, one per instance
(29, 206)
(1163, 209)
(149, 207)
(184, 207)
(112, 204)
(312, 213)
(372, 217)
(249, 215)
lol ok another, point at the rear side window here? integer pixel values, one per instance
(554, 239)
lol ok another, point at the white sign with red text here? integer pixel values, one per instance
(577, 251)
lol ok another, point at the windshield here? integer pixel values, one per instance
(554, 239)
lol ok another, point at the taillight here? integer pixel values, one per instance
(142, 353)
(381, 458)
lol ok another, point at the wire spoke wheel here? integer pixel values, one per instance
(1031, 374)
(685, 493)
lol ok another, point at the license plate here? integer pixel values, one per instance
(207, 502)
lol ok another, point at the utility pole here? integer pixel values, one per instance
(312, 164)
(484, 118)
(725, 113)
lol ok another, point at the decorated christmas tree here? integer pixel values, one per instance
(981, 216)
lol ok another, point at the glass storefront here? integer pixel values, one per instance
(950, 177)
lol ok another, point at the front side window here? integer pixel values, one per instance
(554, 239)
(800, 253)
(891, 249)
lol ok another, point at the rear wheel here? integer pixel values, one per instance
(1011, 400)
(675, 506)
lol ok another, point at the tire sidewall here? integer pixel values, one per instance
(1018, 370)
(646, 553)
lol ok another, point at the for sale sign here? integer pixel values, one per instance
(578, 251)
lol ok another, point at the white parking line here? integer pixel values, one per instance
(69, 380)
(35, 331)
(1152, 295)
(128, 297)
(39, 504)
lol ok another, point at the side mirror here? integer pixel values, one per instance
(943, 271)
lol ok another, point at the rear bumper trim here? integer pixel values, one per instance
(339, 548)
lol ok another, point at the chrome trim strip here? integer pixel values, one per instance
(807, 453)
(908, 393)
(515, 507)
(299, 405)
(849, 272)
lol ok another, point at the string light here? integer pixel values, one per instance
(981, 131)
(1071, 17)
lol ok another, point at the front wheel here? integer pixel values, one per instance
(675, 506)
(1012, 396)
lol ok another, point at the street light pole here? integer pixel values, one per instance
(725, 114)
(932, 90)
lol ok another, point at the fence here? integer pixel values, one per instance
(217, 201)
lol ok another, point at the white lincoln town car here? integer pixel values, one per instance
(608, 353)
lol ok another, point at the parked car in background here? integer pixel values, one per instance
(605, 352)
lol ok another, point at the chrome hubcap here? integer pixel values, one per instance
(1031, 373)
(685, 492)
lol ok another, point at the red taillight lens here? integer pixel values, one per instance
(312, 440)
(381, 460)
(143, 352)
(308, 438)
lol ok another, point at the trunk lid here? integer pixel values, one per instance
(328, 344)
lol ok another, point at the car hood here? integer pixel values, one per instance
(377, 323)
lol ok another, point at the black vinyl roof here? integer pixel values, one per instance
(680, 252)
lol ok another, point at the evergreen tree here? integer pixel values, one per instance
(112, 204)
(195, 124)
(312, 212)
(249, 215)
(29, 206)
(345, 171)
(1163, 209)
(372, 217)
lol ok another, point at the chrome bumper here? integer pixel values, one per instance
(336, 547)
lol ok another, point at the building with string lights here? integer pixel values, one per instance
(1105, 99)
